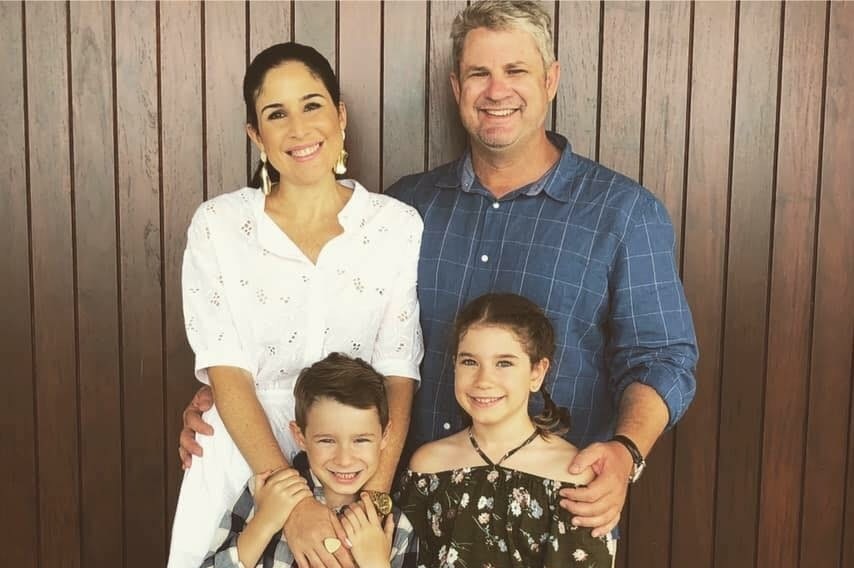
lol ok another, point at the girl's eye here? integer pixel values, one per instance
(504, 363)
(467, 362)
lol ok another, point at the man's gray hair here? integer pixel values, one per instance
(505, 15)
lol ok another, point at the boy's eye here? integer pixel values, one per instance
(325, 441)
(363, 440)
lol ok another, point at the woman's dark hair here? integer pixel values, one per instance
(349, 381)
(534, 331)
(271, 58)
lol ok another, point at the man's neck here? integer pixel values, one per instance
(505, 171)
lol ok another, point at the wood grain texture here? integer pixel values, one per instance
(315, 24)
(665, 128)
(829, 409)
(404, 89)
(446, 137)
(225, 113)
(577, 100)
(183, 180)
(790, 312)
(140, 279)
(745, 325)
(360, 60)
(17, 407)
(97, 285)
(704, 276)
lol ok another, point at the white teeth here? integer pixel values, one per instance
(507, 112)
(303, 152)
(484, 400)
(345, 476)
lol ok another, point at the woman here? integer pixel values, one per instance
(275, 279)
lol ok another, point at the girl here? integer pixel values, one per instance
(488, 495)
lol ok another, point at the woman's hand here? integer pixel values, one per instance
(276, 495)
(370, 538)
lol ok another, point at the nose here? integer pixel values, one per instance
(497, 89)
(344, 455)
(482, 378)
(298, 127)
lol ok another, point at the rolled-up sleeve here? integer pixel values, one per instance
(208, 317)
(399, 345)
(652, 338)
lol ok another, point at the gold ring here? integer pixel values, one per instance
(331, 545)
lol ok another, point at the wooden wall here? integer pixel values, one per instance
(118, 119)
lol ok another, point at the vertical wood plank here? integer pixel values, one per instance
(19, 491)
(549, 7)
(665, 128)
(140, 248)
(183, 182)
(360, 58)
(705, 242)
(833, 319)
(622, 86)
(848, 520)
(577, 100)
(225, 113)
(269, 24)
(404, 89)
(446, 137)
(314, 25)
(53, 284)
(97, 293)
(791, 285)
(745, 325)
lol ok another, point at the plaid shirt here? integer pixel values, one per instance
(591, 247)
(223, 552)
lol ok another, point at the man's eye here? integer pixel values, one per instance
(516, 71)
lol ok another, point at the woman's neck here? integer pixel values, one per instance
(308, 202)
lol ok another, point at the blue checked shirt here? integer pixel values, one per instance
(591, 247)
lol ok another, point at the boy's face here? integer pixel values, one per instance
(343, 445)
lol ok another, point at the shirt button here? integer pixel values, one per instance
(484, 258)
(446, 426)
(495, 205)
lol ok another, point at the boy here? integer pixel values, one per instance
(342, 425)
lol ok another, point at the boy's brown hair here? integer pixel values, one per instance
(346, 380)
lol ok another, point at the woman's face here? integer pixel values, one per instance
(299, 126)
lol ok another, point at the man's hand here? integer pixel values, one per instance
(600, 503)
(369, 537)
(309, 524)
(193, 424)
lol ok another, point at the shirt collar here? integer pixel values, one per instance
(461, 174)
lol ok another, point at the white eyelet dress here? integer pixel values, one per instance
(253, 300)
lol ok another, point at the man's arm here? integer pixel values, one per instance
(400, 393)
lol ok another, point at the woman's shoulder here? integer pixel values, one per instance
(228, 204)
(441, 455)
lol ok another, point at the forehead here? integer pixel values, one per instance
(487, 47)
(332, 417)
(486, 339)
(291, 79)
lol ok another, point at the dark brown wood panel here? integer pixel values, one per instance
(315, 24)
(665, 128)
(225, 113)
(745, 321)
(140, 280)
(703, 274)
(182, 189)
(446, 137)
(790, 314)
(17, 407)
(404, 93)
(577, 101)
(53, 284)
(359, 60)
(833, 318)
(97, 285)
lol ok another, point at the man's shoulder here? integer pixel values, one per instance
(419, 187)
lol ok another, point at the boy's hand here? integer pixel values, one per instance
(276, 495)
(369, 537)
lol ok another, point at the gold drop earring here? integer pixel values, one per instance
(266, 186)
(341, 164)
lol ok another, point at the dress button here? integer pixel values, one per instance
(484, 258)
(446, 426)
(495, 205)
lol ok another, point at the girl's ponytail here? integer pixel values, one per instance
(554, 419)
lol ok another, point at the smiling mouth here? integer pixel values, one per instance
(305, 152)
(485, 401)
(498, 112)
(344, 477)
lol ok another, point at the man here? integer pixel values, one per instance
(519, 212)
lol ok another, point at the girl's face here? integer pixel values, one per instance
(299, 126)
(494, 376)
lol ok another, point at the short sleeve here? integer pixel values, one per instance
(399, 345)
(208, 317)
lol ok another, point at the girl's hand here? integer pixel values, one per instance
(369, 537)
(276, 495)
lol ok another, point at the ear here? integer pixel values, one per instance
(538, 373)
(384, 439)
(342, 115)
(256, 138)
(552, 80)
(455, 86)
(296, 432)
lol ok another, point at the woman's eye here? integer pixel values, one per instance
(276, 114)
(312, 106)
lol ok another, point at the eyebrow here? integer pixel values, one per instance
(499, 356)
(363, 435)
(302, 98)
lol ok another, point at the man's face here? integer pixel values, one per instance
(502, 89)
